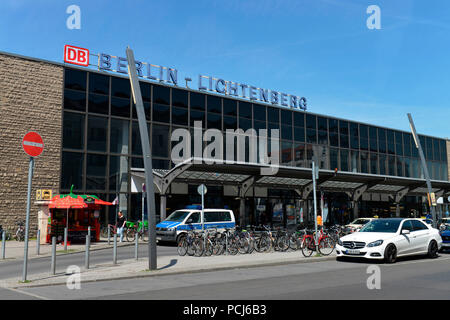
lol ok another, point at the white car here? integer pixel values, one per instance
(357, 224)
(390, 238)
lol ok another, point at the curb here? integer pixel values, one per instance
(137, 276)
(46, 255)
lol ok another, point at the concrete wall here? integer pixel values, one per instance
(30, 100)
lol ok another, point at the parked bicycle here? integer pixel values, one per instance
(136, 228)
(325, 244)
(20, 232)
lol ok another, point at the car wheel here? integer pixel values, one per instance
(390, 253)
(432, 249)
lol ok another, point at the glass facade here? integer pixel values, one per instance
(101, 139)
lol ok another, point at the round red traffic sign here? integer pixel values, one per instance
(32, 144)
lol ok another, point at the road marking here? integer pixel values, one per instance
(28, 293)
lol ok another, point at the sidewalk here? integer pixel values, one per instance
(15, 249)
(167, 265)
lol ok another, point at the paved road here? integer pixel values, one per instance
(407, 279)
(9, 269)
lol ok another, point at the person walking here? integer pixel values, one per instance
(120, 225)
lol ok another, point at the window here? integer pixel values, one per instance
(179, 98)
(245, 111)
(160, 146)
(354, 136)
(161, 113)
(230, 108)
(75, 100)
(259, 112)
(311, 122)
(273, 115)
(72, 170)
(96, 172)
(418, 225)
(120, 88)
(180, 116)
(214, 104)
(299, 119)
(120, 107)
(407, 225)
(98, 83)
(286, 118)
(75, 79)
(195, 217)
(73, 131)
(161, 95)
(119, 136)
(97, 133)
(118, 173)
(197, 101)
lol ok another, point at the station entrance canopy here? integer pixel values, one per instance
(246, 175)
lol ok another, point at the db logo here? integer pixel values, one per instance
(76, 55)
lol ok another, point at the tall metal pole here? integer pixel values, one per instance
(315, 204)
(424, 166)
(146, 152)
(27, 220)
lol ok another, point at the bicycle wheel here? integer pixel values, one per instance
(293, 242)
(283, 243)
(182, 247)
(244, 245)
(208, 248)
(308, 247)
(326, 245)
(198, 247)
(130, 234)
(263, 244)
(233, 247)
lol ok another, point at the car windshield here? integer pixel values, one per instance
(446, 227)
(382, 225)
(360, 221)
(177, 216)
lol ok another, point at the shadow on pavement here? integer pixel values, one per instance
(171, 264)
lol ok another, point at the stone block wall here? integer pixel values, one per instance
(31, 94)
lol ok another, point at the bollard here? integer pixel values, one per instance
(136, 247)
(115, 250)
(65, 239)
(86, 258)
(53, 265)
(89, 235)
(38, 242)
(3, 244)
(109, 235)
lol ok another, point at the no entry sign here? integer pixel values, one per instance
(32, 144)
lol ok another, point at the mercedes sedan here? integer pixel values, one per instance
(387, 239)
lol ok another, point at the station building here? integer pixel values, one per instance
(91, 141)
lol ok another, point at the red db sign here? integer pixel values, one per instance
(76, 55)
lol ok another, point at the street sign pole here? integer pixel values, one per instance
(202, 190)
(146, 152)
(33, 145)
(27, 219)
(424, 166)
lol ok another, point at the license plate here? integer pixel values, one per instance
(350, 251)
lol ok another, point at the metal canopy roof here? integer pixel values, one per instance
(194, 170)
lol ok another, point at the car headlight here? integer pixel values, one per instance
(375, 243)
(171, 229)
(339, 242)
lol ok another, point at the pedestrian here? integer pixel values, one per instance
(120, 225)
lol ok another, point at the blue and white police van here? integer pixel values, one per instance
(179, 222)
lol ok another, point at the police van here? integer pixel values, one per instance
(179, 222)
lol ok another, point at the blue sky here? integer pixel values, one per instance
(319, 49)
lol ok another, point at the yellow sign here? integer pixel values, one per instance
(432, 199)
(43, 195)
